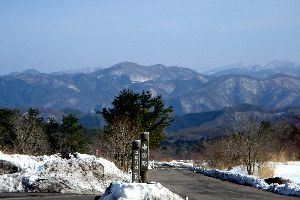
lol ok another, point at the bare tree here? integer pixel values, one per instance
(254, 144)
(222, 152)
(117, 143)
(30, 136)
(251, 144)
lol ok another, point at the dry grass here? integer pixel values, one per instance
(6, 150)
(266, 171)
(281, 157)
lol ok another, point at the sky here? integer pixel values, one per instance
(58, 35)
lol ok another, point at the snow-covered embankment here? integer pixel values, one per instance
(80, 174)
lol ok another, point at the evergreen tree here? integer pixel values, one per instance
(142, 113)
(73, 138)
(54, 135)
(7, 134)
(131, 114)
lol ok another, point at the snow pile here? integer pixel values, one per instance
(286, 170)
(242, 170)
(173, 163)
(284, 189)
(137, 191)
(80, 174)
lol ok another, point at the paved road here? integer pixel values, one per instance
(46, 196)
(198, 186)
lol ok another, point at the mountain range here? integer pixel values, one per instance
(256, 71)
(195, 126)
(273, 86)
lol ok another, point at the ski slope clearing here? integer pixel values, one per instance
(137, 191)
(80, 174)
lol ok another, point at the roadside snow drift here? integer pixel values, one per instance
(284, 189)
(80, 174)
(137, 191)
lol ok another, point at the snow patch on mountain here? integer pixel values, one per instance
(73, 87)
(140, 78)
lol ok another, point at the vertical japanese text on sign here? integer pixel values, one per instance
(144, 151)
(136, 144)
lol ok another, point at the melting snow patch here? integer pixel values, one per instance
(80, 174)
(137, 191)
(174, 163)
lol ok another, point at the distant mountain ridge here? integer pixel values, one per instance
(184, 89)
(231, 90)
(257, 71)
(195, 126)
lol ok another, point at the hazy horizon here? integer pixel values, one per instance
(52, 36)
(92, 69)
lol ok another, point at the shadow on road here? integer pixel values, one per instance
(47, 196)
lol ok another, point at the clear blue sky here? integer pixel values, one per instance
(55, 35)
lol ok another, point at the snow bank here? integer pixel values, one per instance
(80, 174)
(137, 191)
(288, 170)
(284, 189)
(173, 163)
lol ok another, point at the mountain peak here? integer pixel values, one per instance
(126, 64)
(31, 72)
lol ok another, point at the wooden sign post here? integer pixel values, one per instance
(144, 156)
(136, 144)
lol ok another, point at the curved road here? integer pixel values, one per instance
(198, 186)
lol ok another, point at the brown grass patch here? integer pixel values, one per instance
(266, 171)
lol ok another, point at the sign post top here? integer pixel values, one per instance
(145, 136)
(136, 144)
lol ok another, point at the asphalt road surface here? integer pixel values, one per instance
(198, 186)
